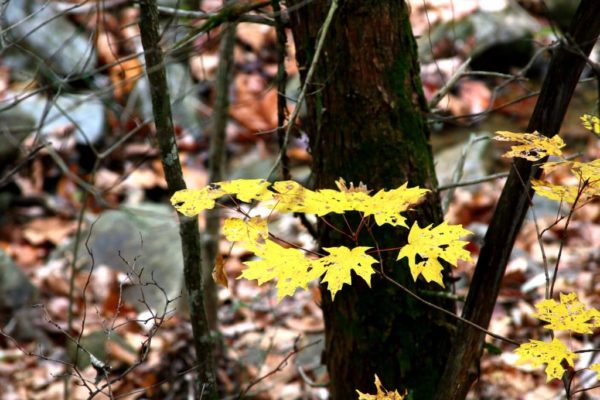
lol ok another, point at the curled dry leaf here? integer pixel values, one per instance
(218, 273)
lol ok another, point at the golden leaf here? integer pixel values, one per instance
(382, 394)
(427, 245)
(538, 352)
(339, 264)
(289, 267)
(591, 123)
(568, 314)
(190, 202)
(533, 145)
(248, 231)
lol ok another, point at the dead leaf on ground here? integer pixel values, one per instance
(255, 104)
(53, 230)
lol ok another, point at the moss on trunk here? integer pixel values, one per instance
(366, 124)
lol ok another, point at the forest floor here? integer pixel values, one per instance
(81, 267)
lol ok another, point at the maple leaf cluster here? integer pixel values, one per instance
(568, 314)
(290, 267)
(534, 147)
(425, 250)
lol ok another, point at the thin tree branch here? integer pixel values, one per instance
(307, 81)
(279, 366)
(216, 164)
(449, 313)
(201, 15)
(450, 84)
(190, 235)
(22, 163)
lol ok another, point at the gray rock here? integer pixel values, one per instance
(147, 237)
(95, 343)
(16, 291)
(54, 43)
(476, 164)
(511, 25)
(15, 126)
(85, 112)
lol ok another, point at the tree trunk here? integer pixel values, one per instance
(366, 124)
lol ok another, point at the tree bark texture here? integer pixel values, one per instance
(190, 235)
(562, 78)
(366, 124)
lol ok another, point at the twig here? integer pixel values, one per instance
(539, 235)
(564, 236)
(279, 367)
(65, 170)
(216, 163)
(85, 7)
(73, 272)
(443, 310)
(458, 171)
(22, 163)
(473, 181)
(309, 75)
(488, 178)
(254, 19)
(309, 381)
(229, 13)
(450, 84)
(281, 86)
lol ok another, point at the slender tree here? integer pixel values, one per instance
(206, 384)
(366, 124)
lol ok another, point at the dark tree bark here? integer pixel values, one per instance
(366, 124)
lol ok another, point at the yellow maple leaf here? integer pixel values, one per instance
(290, 196)
(595, 368)
(538, 352)
(589, 182)
(327, 201)
(382, 393)
(289, 266)
(246, 189)
(566, 194)
(591, 123)
(293, 197)
(588, 171)
(338, 265)
(358, 197)
(387, 206)
(191, 202)
(251, 231)
(533, 145)
(427, 245)
(568, 314)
